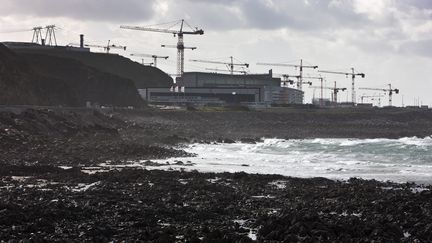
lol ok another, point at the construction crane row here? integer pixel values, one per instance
(301, 80)
(37, 34)
(230, 65)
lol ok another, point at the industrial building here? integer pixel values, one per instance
(216, 88)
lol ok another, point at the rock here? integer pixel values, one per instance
(227, 140)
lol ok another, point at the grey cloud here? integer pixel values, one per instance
(270, 14)
(314, 15)
(420, 4)
(321, 18)
(301, 15)
(419, 48)
(81, 10)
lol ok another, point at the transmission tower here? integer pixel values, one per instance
(50, 37)
(37, 35)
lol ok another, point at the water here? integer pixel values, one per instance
(399, 160)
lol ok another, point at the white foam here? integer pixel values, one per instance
(400, 160)
(84, 187)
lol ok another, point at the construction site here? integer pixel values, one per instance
(101, 143)
(232, 84)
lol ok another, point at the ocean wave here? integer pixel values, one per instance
(401, 160)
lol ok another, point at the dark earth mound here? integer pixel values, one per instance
(70, 138)
(52, 81)
(86, 83)
(142, 76)
(20, 84)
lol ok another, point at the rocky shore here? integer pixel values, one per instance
(46, 193)
(47, 203)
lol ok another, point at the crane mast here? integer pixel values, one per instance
(390, 91)
(353, 75)
(180, 42)
(321, 79)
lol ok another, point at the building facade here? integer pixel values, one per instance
(200, 87)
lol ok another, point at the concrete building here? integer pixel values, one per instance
(201, 95)
(200, 87)
(201, 79)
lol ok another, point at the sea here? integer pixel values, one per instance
(398, 160)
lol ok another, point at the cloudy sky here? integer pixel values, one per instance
(389, 40)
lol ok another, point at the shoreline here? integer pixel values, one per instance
(41, 201)
(166, 206)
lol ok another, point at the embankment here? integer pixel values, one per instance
(173, 126)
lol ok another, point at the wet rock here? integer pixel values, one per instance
(227, 140)
(42, 202)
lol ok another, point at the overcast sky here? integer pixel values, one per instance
(389, 40)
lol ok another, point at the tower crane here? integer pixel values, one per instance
(155, 57)
(230, 65)
(321, 79)
(353, 75)
(390, 91)
(301, 67)
(180, 43)
(285, 79)
(334, 89)
(108, 47)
